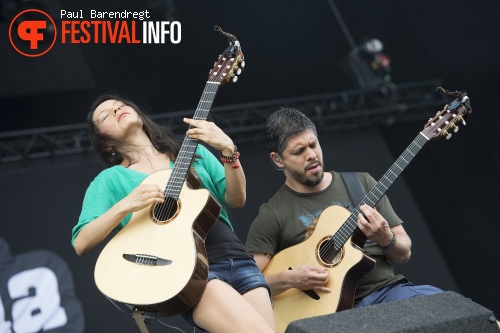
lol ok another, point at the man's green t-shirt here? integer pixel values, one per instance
(290, 216)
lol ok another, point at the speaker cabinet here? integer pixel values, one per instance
(447, 312)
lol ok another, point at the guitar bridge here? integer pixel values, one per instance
(311, 293)
(146, 259)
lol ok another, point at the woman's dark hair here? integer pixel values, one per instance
(114, 152)
(284, 123)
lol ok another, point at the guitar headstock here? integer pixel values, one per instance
(230, 63)
(445, 121)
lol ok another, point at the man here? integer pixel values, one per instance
(291, 215)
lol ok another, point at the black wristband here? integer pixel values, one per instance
(233, 157)
(393, 242)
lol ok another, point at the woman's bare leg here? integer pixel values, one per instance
(259, 298)
(222, 309)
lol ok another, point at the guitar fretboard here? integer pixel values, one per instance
(188, 147)
(378, 191)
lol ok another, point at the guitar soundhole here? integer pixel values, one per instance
(165, 212)
(327, 255)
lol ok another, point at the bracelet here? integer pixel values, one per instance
(231, 159)
(393, 242)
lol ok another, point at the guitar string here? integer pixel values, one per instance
(186, 156)
(201, 113)
(351, 223)
(175, 180)
(178, 175)
(409, 153)
(428, 133)
(342, 234)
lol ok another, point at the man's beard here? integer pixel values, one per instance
(308, 181)
(314, 181)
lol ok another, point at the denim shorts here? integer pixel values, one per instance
(242, 274)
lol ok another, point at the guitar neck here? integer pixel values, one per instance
(189, 145)
(378, 191)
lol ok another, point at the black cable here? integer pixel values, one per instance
(342, 24)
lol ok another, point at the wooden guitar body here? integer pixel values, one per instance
(170, 287)
(344, 273)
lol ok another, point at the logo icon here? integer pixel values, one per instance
(32, 32)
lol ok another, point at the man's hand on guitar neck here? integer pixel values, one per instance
(304, 277)
(376, 229)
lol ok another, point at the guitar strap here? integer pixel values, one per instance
(356, 192)
(354, 187)
(140, 321)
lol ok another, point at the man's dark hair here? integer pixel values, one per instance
(113, 152)
(284, 123)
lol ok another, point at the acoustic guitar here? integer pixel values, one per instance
(337, 243)
(158, 263)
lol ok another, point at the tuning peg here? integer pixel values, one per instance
(242, 64)
(238, 71)
(454, 127)
(233, 77)
(460, 118)
(446, 134)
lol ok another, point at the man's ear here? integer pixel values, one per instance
(276, 159)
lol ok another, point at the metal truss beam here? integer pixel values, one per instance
(245, 122)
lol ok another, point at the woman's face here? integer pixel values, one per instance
(115, 118)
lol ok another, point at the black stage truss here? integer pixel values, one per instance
(387, 104)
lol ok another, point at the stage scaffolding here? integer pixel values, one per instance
(335, 111)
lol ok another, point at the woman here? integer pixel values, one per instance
(133, 146)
